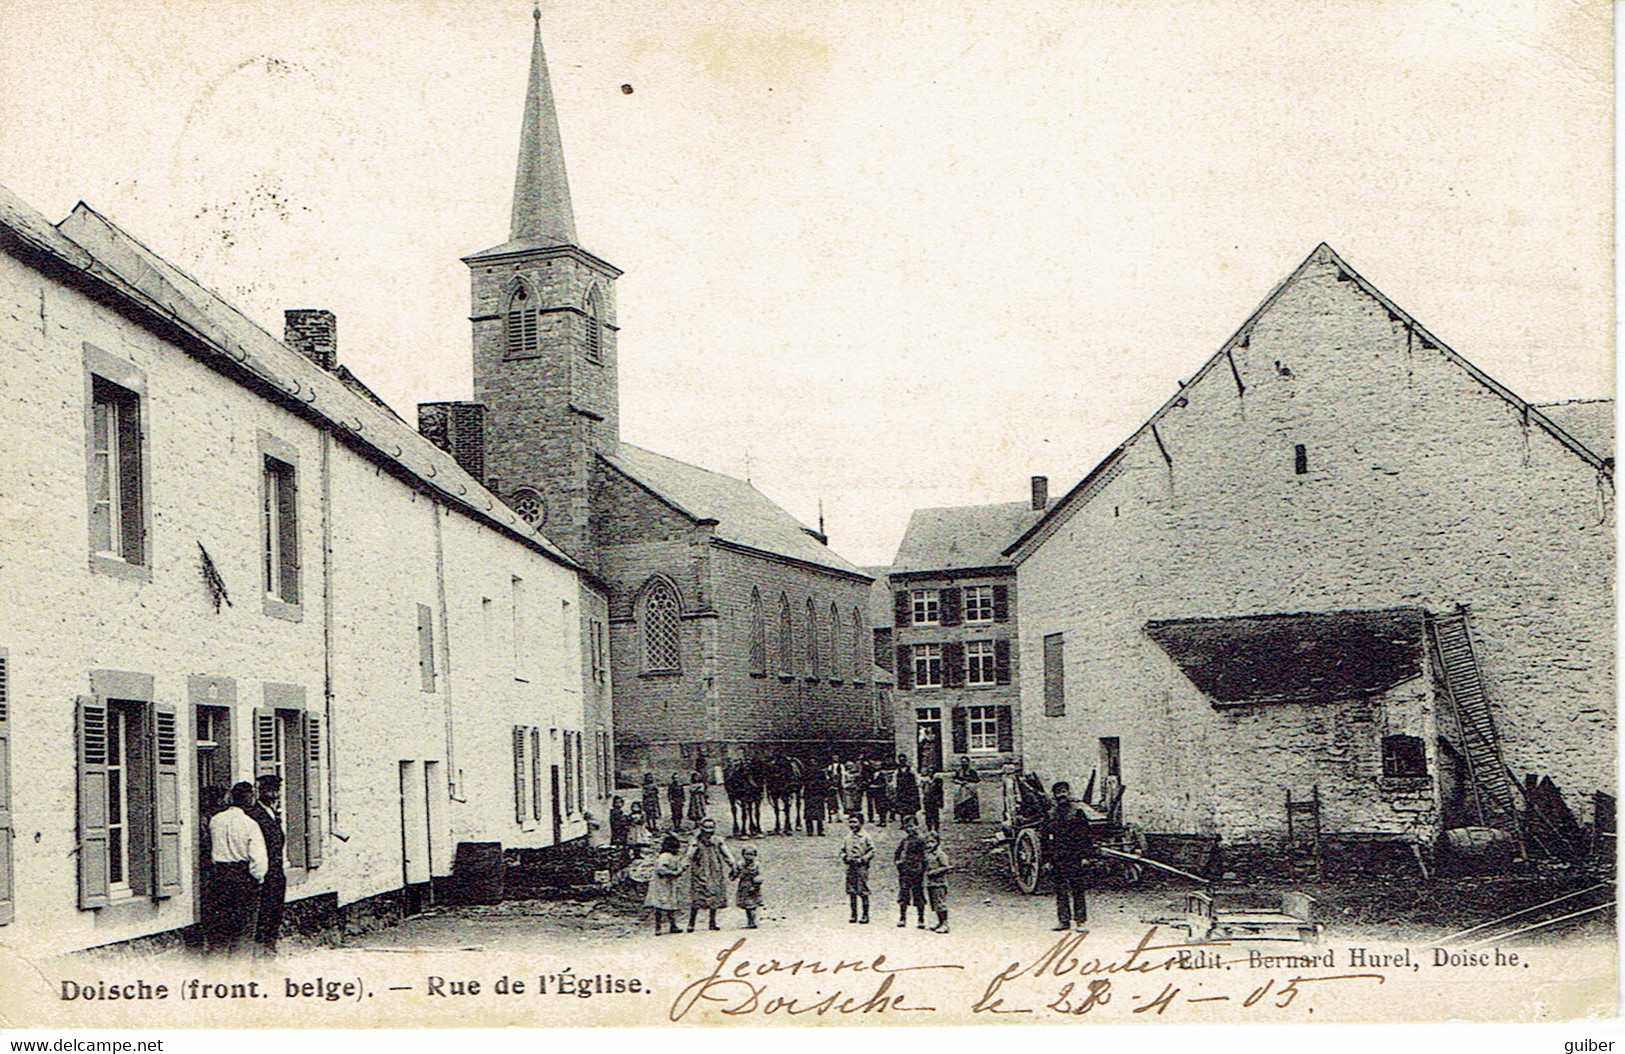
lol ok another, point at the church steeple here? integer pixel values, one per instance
(541, 191)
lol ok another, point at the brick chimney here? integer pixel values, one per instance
(1040, 492)
(314, 333)
(458, 428)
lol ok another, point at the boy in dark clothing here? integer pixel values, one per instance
(910, 859)
(931, 800)
(651, 801)
(1071, 848)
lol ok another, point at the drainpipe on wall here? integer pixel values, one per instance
(454, 776)
(327, 635)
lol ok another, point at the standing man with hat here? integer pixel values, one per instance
(237, 853)
(267, 812)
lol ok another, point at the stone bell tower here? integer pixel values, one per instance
(543, 311)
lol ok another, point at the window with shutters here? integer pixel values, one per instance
(7, 880)
(129, 797)
(927, 665)
(581, 777)
(117, 484)
(814, 656)
(521, 775)
(569, 773)
(536, 796)
(123, 719)
(978, 604)
(595, 327)
(837, 647)
(758, 635)
(787, 639)
(979, 669)
(521, 324)
(860, 653)
(288, 743)
(661, 621)
(1054, 675)
(280, 532)
(927, 609)
(982, 729)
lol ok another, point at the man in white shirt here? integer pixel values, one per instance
(237, 849)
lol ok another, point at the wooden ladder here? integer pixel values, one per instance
(1488, 779)
(1309, 809)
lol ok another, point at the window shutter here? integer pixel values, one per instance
(902, 608)
(264, 742)
(1001, 662)
(8, 908)
(949, 600)
(313, 790)
(426, 647)
(535, 774)
(519, 809)
(1007, 730)
(132, 539)
(905, 668)
(581, 785)
(953, 664)
(288, 535)
(1054, 676)
(93, 861)
(166, 801)
(1001, 603)
(961, 733)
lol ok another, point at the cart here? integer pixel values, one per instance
(1021, 837)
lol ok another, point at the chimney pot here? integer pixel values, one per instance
(1040, 492)
(314, 333)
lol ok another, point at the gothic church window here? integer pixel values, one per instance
(835, 671)
(529, 505)
(787, 638)
(758, 635)
(860, 668)
(660, 618)
(522, 339)
(595, 329)
(813, 659)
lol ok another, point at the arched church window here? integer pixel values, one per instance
(758, 635)
(787, 638)
(660, 622)
(835, 660)
(860, 666)
(521, 323)
(530, 506)
(812, 640)
(595, 328)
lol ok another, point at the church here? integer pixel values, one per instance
(734, 630)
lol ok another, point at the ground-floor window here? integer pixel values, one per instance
(982, 729)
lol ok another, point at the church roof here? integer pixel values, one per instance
(962, 536)
(99, 250)
(1591, 421)
(744, 516)
(1112, 464)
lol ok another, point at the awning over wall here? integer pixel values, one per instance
(1287, 658)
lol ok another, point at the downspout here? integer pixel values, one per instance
(454, 777)
(327, 635)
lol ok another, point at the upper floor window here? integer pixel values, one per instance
(116, 490)
(927, 665)
(814, 663)
(835, 657)
(660, 620)
(979, 604)
(927, 607)
(787, 638)
(595, 328)
(522, 323)
(979, 664)
(758, 635)
(280, 521)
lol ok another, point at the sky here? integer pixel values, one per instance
(880, 254)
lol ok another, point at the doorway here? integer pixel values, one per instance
(928, 740)
(414, 838)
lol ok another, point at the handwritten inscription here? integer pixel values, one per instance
(738, 986)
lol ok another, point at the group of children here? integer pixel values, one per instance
(922, 872)
(696, 873)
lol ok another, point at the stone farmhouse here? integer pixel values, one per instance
(734, 630)
(1341, 563)
(225, 560)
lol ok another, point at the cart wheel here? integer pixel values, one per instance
(1027, 859)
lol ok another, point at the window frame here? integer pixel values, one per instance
(1054, 670)
(927, 659)
(114, 381)
(525, 320)
(927, 603)
(592, 311)
(978, 599)
(983, 656)
(860, 673)
(281, 578)
(756, 658)
(660, 599)
(787, 638)
(986, 718)
(814, 658)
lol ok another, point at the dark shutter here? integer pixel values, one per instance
(92, 802)
(519, 811)
(535, 774)
(953, 664)
(1001, 662)
(288, 535)
(1001, 603)
(902, 608)
(949, 601)
(426, 647)
(8, 909)
(166, 801)
(1007, 730)
(313, 789)
(961, 733)
(132, 540)
(1054, 676)
(905, 668)
(264, 742)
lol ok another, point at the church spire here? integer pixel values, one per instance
(541, 191)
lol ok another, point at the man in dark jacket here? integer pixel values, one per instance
(908, 789)
(676, 794)
(274, 890)
(1071, 850)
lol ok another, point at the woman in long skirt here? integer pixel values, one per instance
(967, 803)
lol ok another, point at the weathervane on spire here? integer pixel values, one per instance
(536, 12)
